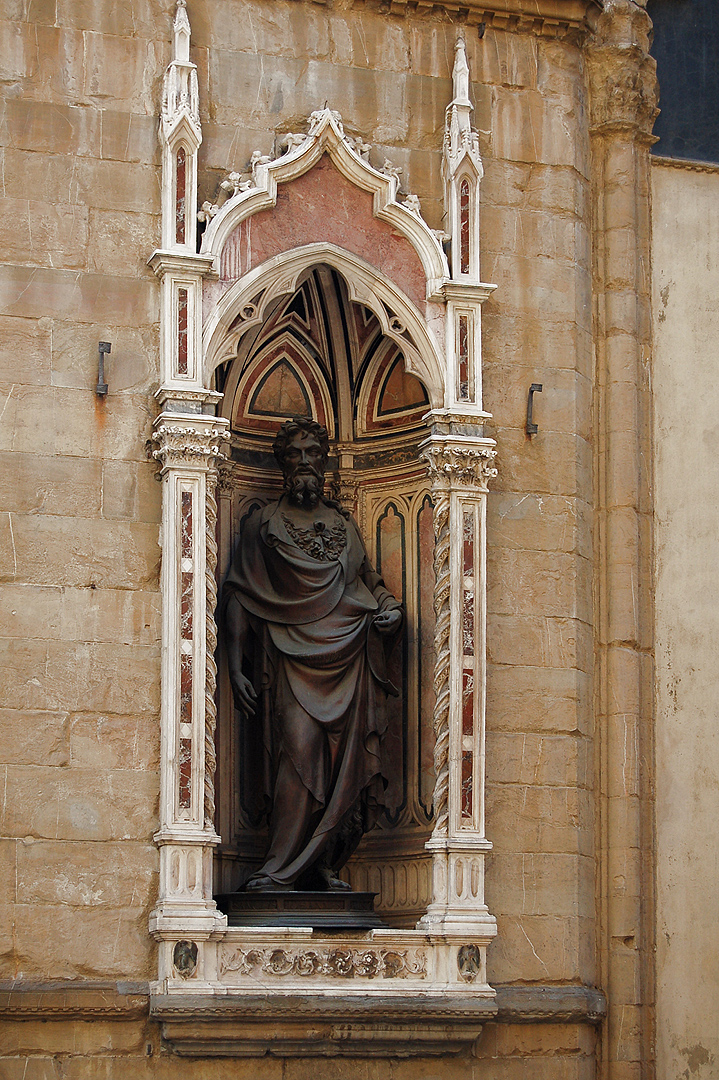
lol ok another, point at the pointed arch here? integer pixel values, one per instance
(247, 302)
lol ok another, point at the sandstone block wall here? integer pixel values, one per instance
(79, 548)
(80, 505)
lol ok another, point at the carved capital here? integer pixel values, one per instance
(225, 478)
(622, 74)
(181, 444)
(453, 463)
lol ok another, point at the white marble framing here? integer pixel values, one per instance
(199, 955)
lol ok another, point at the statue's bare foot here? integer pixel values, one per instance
(334, 884)
(263, 883)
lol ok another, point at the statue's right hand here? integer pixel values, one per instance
(244, 694)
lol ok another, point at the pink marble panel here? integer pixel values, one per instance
(185, 786)
(186, 688)
(467, 783)
(186, 606)
(180, 194)
(464, 227)
(186, 544)
(182, 331)
(323, 207)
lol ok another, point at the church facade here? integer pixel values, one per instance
(439, 231)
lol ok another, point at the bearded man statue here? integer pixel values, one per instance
(304, 610)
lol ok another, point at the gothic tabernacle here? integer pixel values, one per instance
(304, 607)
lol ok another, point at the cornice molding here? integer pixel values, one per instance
(73, 1000)
(546, 18)
(687, 165)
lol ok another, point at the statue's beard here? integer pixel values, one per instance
(305, 488)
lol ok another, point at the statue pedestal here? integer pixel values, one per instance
(320, 910)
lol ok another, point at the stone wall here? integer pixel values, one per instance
(81, 505)
(685, 275)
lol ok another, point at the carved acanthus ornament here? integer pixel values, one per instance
(451, 464)
(622, 74)
(178, 445)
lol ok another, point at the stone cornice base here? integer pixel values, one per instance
(315, 1025)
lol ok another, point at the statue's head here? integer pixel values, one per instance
(301, 449)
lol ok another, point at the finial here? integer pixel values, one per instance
(460, 74)
(182, 33)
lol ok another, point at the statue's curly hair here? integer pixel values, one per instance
(290, 428)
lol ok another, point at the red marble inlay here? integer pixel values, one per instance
(468, 541)
(186, 525)
(464, 227)
(463, 392)
(186, 606)
(180, 189)
(186, 688)
(467, 779)
(468, 703)
(468, 623)
(182, 331)
(185, 787)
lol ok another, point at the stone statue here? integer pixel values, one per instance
(303, 605)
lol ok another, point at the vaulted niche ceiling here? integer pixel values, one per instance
(320, 355)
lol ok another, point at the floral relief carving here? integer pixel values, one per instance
(470, 466)
(339, 963)
(187, 446)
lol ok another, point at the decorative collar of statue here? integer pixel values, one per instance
(319, 541)
(314, 623)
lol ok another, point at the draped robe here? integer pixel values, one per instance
(323, 674)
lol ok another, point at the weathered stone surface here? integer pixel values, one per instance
(24, 352)
(91, 552)
(34, 233)
(542, 522)
(537, 819)
(51, 940)
(34, 292)
(522, 582)
(539, 948)
(82, 1038)
(85, 875)
(99, 740)
(59, 675)
(30, 737)
(118, 241)
(538, 759)
(80, 804)
(64, 129)
(50, 485)
(131, 367)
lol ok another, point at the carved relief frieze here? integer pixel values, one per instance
(333, 963)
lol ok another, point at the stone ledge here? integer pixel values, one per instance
(70, 1000)
(418, 1025)
(550, 1004)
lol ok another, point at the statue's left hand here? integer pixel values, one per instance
(387, 621)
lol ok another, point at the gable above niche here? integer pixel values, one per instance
(323, 190)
